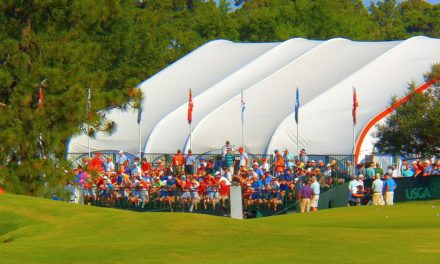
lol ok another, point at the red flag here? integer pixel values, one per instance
(190, 107)
(355, 105)
(40, 98)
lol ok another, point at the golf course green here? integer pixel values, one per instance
(35, 230)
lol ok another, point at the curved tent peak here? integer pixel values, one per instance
(173, 130)
(375, 83)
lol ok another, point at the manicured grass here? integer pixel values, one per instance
(34, 230)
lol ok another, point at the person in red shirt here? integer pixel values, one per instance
(202, 190)
(224, 192)
(177, 163)
(279, 163)
(146, 166)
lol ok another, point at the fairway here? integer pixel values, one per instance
(34, 230)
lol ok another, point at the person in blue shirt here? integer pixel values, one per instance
(267, 178)
(390, 185)
(257, 187)
(257, 170)
(407, 171)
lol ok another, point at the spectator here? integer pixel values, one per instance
(226, 147)
(122, 158)
(190, 162)
(361, 169)
(407, 171)
(303, 156)
(427, 168)
(278, 163)
(418, 168)
(370, 171)
(316, 190)
(356, 196)
(243, 158)
(264, 164)
(257, 170)
(377, 189)
(289, 159)
(136, 172)
(436, 168)
(145, 166)
(109, 165)
(177, 163)
(390, 186)
(229, 160)
(305, 195)
(379, 169)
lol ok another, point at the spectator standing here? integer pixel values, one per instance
(370, 172)
(362, 169)
(145, 166)
(379, 169)
(109, 165)
(289, 159)
(303, 156)
(190, 162)
(377, 189)
(244, 159)
(316, 190)
(178, 162)
(407, 171)
(122, 158)
(229, 160)
(226, 147)
(278, 162)
(390, 186)
(305, 195)
(350, 168)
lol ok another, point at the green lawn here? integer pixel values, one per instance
(34, 230)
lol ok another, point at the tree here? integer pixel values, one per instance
(414, 127)
(57, 46)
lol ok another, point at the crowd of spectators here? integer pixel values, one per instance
(195, 183)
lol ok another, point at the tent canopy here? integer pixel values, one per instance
(268, 73)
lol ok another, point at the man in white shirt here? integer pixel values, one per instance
(316, 189)
(109, 166)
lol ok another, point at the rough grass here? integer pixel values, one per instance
(34, 230)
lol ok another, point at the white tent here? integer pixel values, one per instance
(268, 73)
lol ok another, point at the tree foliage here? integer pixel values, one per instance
(109, 46)
(414, 127)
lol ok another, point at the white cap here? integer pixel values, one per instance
(121, 151)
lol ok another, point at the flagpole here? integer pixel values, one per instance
(243, 106)
(297, 121)
(297, 140)
(190, 136)
(88, 116)
(354, 139)
(355, 105)
(140, 140)
(40, 104)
